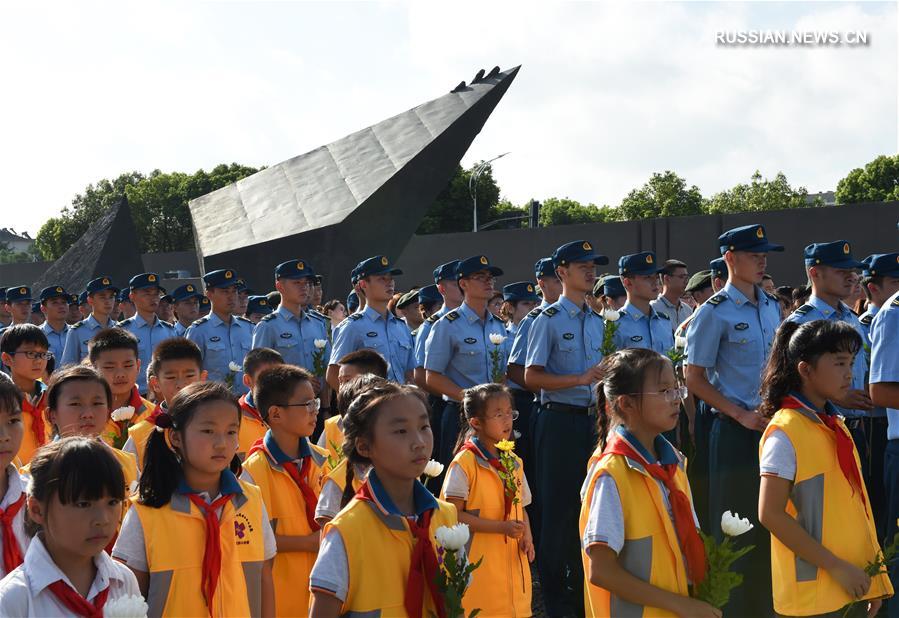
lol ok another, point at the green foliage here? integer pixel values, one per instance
(877, 182)
(10, 256)
(878, 566)
(452, 210)
(452, 580)
(663, 195)
(158, 206)
(564, 211)
(720, 580)
(760, 194)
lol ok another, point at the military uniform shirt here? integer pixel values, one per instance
(148, 337)
(566, 340)
(180, 329)
(386, 335)
(293, 336)
(731, 337)
(222, 344)
(637, 330)
(423, 331)
(459, 347)
(78, 336)
(817, 309)
(519, 349)
(57, 340)
(885, 355)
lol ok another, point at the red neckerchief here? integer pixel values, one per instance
(845, 446)
(155, 413)
(212, 554)
(423, 568)
(684, 526)
(249, 410)
(12, 554)
(496, 465)
(36, 410)
(299, 477)
(76, 603)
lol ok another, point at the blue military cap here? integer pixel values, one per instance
(18, 293)
(241, 285)
(73, 300)
(521, 290)
(185, 292)
(719, 268)
(223, 278)
(376, 265)
(167, 298)
(577, 251)
(144, 281)
(429, 294)
(544, 267)
(101, 284)
(881, 264)
(123, 295)
(638, 264)
(36, 307)
(294, 269)
(53, 291)
(82, 298)
(475, 264)
(258, 304)
(837, 254)
(446, 271)
(204, 301)
(750, 238)
(352, 302)
(612, 286)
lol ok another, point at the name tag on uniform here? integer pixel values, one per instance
(637, 338)
(371, 334)
(214, 339)
(286, 335)
(568, 336)
(741, 326)
(470, 340)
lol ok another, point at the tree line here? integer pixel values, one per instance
(159, 201)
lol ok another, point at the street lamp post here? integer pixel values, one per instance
(473, 185)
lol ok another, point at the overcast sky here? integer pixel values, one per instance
(607, 94)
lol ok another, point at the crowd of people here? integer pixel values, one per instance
(220, 452)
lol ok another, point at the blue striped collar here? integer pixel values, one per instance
(228, 484)
(664, 450)
(277, 455)
(421, 497)
(828, 407)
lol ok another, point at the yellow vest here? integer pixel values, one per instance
(174, 539)
(251, 431)
(651, 549)
(501, 586)
(831, 515)
(287, 510)
(338, 476)
(112, 428)
(334, 438)
(139, 433)
(379, 554)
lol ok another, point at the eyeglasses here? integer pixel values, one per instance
(482, 277)
(30, 355)
(671, 395)
(503, 415)
(311, 406)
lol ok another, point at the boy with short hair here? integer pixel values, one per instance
(349, 365)
(24, 349)
(252, 427)
(176, 362)
(114, 353)
(287, 469)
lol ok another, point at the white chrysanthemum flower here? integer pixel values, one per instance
(496, 338)
(610, 315)
(680, 342)
(733, 525)
(131, 606)
(122, 414)
(320, 344)
(452, 538)
(433, 469)
(232, 366)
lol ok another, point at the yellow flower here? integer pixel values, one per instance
(505, 445)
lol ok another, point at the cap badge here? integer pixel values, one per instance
(846, 248)
(300, 266)
(228, 274)
(760, 233)
(897, 259)
(383, 261)
(22, 290)
(59, 289)
(105, 281)
(530, 288)
(587, 246)
(151, 278)
(263, 303)
(649, 259)
(484, 260)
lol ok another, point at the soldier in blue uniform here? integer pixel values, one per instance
(429, 302)
(375, 327)
(880, 280)
(563, 356)
(187, 307)
(458, 352)
(5, 317)
(257, 308)
(74, 315)
(223, 338)
(149, 330)
(451, 296)
(291, 330)
(125, 307)
(728, 343)
(55, 305)
(719, 274)
(612, 292)
(18, 304)
(37, 316)
(100, 296)
(639, 325)
(205, 306)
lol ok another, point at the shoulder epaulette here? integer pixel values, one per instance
(167, 324)
(243, 319)
(123, 323)
(717, 299)
(432, 318)
(77, 324)
(266, 318)
(772, 297)
(318, 314)
(205, 318)
(804, 309)
(866, 319)
(452, 315)
(355, 316)
(895, 303)
(664, 316)
(535, 312)
(550, 312)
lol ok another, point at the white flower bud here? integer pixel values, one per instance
(496, 338)
(680, 342)
(131, 606)
(234, 367)
(433, 469)
(733, 525)
(320, 344)
(610, 315)
(122, 414)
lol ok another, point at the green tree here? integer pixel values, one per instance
(564, 211)
(9, 255)
(760, 194)
(452, 210)
(877, 182)
(663, 195)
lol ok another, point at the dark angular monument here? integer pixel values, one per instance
(362, 195)
(108, 248)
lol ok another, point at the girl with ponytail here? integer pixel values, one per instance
(813, 499)
(377, 555)
(192, 510)
(636, 497)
